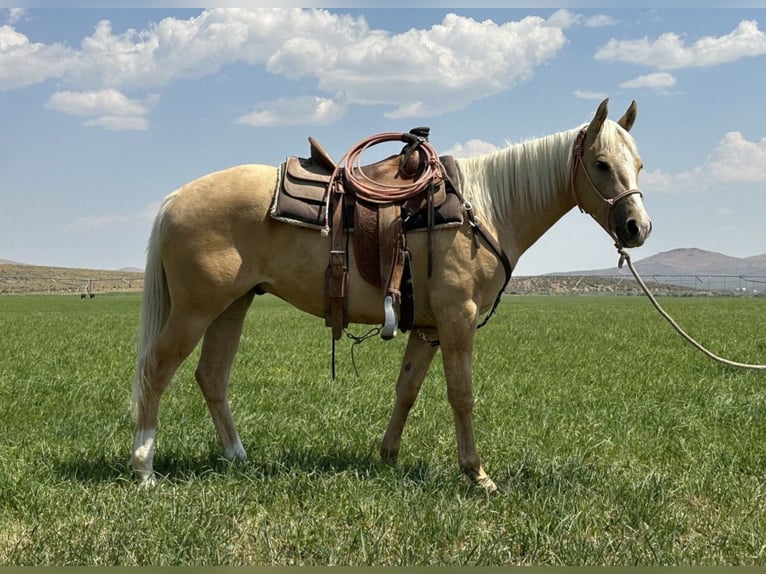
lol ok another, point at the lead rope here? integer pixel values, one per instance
(625, 258)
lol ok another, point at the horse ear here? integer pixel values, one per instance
(629, 117)
(598, 120)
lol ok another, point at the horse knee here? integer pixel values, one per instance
(461, 400)
(407, 396)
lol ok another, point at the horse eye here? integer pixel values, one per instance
(602, 166)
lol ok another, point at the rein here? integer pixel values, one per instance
(577, 161)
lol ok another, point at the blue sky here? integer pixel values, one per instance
(105, 111)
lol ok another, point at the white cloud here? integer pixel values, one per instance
(660, 82)
(418, 72)
(94, 103)
(410, 110)
(565, 19)
(734, 161)
(24, 63)
(14, 14)
(144, 215)
(112, 109)
(444, 68)
(738, 160)
(660, 181)
(669, 51)
(119, 123)
(294, 111)
(599, 21)
(471, 148)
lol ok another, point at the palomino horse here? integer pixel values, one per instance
(214, 247)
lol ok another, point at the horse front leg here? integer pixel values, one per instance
(417, 358)
(457, 340)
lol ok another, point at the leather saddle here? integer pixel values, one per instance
(374, 206)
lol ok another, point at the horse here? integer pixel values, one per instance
(213, 247)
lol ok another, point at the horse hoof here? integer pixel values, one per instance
(148, 481)
(487, 484)
(389, 457)
(146, 477)
(482, 480)
(235, 453)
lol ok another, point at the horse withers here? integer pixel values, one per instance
(213, 247)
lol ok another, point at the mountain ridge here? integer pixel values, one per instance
(687, 261)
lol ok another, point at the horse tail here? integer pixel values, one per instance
(155, 305)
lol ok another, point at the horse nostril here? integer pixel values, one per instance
(632, 227)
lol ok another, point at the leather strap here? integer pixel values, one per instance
(337, 270)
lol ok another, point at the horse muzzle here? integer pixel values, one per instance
(631, 224)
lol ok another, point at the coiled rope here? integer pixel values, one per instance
(377, 192)
(625, 258)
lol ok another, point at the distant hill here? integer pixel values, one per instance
(689, 261)
(17, 278)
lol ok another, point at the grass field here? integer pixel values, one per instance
(611, 439)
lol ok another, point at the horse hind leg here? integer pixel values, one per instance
(174, 343)
(219, 347)
(417, 358)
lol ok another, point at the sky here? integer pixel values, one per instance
(104, 111)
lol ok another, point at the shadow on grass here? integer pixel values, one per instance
(290, 461)
(91, 468)
(528, 474)
(532, 474)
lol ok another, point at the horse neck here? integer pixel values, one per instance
(522, 190)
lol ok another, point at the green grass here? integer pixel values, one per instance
(611, 439)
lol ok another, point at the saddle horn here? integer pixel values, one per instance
(414, 139)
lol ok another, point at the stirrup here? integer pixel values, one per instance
(388, 331)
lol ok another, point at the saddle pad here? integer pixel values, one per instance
(300, 199)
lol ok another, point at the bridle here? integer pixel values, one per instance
(578, 150)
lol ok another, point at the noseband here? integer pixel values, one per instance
(578, 150)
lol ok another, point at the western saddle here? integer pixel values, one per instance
(379, 203)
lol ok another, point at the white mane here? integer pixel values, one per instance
(531, 173)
